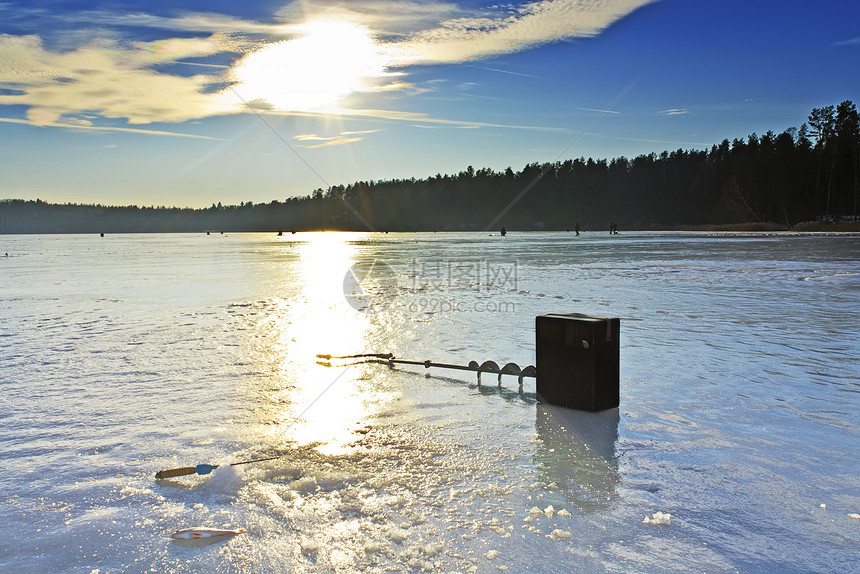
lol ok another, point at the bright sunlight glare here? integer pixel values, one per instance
(326, 323)
(314, 72)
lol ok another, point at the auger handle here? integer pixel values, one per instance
(170, 473)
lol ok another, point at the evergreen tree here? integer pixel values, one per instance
(847, 157)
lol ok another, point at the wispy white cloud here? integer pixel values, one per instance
(79, 126)
(650, 140)
(317, 141)
(402, 116)
(674, 112)
(83, 24)
(334, 142)
(110, 80)
(202, 64)
(390, 19)
(600, 111)
(360, 132)
(396, 18)
(506, 31)
(424, 118)
(510, 72)
(851, 42)
(107, 76)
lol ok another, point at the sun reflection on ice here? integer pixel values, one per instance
(320, 405)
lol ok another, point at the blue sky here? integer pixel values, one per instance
(190, 103)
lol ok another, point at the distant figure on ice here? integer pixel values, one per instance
(576, 228)
(504, 231)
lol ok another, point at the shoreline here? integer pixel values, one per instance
(766, 227)
(845, 227)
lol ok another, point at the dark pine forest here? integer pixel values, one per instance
(811, 173)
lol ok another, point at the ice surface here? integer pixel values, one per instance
(124, 357)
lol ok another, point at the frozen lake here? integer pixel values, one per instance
(125, 355)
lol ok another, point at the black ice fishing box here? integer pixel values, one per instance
(577, 361)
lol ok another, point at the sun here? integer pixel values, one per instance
(330, 60)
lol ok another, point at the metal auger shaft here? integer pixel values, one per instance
(473, 366)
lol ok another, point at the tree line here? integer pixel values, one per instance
(811, 173)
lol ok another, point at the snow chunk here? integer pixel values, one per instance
(854, 516)
(131, 491)
(305, 484)
(535, 510)
(309, 545)
(432, 549)
(225, 479)
(558, 534)
(492, 554)
(548, 511)
(564, 513)
(659, 518)
(396, 534)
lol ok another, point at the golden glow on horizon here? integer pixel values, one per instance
(314, 72)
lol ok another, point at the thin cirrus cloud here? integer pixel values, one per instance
(119, 79)
(316, 141)
(674, 112)
(851, 42)
(86, 125)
